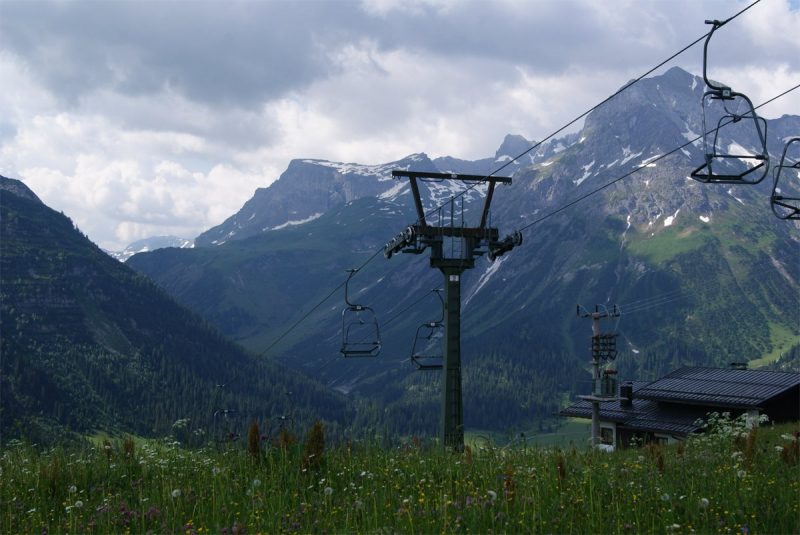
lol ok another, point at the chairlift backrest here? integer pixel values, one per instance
(427, 353)
(784, 206)
(723, 165)
(361, 335)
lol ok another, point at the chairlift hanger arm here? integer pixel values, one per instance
(414, 175)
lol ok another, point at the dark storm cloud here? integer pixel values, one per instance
(243, 53)
(213, 52)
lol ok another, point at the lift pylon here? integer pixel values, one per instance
(472, 243)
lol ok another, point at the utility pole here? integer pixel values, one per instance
(604, 347)
(473, 242)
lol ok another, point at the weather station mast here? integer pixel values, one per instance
(465, 244)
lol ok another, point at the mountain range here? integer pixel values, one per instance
(703, 273)
(150, 244)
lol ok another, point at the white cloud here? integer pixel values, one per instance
(141, 119)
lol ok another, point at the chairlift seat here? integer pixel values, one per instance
(784, 206)
(709, 172)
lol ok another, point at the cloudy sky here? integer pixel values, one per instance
(144, 118)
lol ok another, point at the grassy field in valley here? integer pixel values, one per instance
(729, 480)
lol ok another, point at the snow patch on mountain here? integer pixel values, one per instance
(294, 223)
(628, 156)
(492, 269)
(383, 172)
(730, 192)
(669, 220)
(393, 192)
(586, 173)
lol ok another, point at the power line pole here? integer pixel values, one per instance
(604, 347)
(472, 242)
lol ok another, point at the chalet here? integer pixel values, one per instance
(671, 408)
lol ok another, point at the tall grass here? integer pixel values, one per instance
(730, 480)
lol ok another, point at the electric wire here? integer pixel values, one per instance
(675, 295)
(562, 208)
(654, 160)
(460, 194)
(308, 376)
(587, 112)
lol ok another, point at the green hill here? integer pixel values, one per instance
(90, 344)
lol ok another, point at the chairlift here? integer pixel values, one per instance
(427, 353)
(224, 427)
(783, 206)
(361, 335)
(724, 166)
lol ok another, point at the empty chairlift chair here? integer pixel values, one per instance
(427, 353)
(731, 163)
(361, 335)
(783, 205)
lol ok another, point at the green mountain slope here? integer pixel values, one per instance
(705, 274)
(90, 344)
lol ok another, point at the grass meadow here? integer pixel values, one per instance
(732, 479)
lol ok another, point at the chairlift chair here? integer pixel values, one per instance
(751, 168)
(427, 353)
(361, 335)
(783, 206)
(224, 434)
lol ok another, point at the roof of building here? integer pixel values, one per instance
(679, 402)
(726, 388)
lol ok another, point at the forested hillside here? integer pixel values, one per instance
(90, 344)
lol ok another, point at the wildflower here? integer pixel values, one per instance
(78, 504)
(673, 527)
(492, 494)
(73, 489)
(328, 491)
(778, 448)
(176, 493)
(703, 503)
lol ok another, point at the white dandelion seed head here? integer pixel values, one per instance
(256, 482)
(73, 489)
(492, 494)
(703, 503)
(176, 493)
(78, 504)
(328, 491)
(741, 474)
(665, 497)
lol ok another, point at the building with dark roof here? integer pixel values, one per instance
(677, 405)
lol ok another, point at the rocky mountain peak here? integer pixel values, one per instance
(513, 146)
(18, 188)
